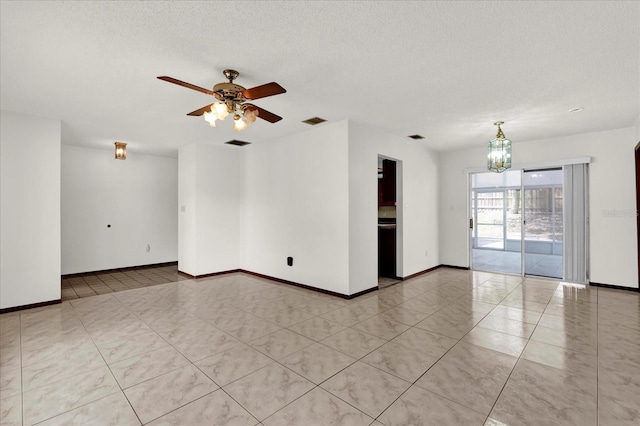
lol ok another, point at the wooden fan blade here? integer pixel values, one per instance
(263, 91)
(264, 114)
(187, 85)
(201, 111)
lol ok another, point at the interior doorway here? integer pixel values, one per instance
(387, 221)
(516, 222)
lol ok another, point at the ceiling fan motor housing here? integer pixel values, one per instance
(229, 91)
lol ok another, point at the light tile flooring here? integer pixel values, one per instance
(386, 282)
(450, 347)
(94, 283)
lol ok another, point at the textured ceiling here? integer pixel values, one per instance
(446, 70)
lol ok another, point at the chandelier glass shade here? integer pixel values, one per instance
(499, 152)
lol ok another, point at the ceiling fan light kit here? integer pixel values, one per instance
(499, 152)
(239, 123)
(232, 100)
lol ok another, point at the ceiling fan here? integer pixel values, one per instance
(232, 100)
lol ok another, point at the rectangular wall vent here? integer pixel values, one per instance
(315, 120)
(237, 142)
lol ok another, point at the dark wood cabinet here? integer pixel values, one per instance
(387, 184)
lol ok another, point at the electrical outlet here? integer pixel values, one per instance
(290, 261)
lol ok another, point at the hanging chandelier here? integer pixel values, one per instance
(499, 152)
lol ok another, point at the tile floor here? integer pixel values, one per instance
(450, 347)
(386, 282)
(94, 283)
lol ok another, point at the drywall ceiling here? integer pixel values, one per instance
(445, 70)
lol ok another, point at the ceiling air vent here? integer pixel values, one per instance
(237, 142)
(416, 137)
(315, 120)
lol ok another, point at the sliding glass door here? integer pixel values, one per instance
(543, 222)
(505, 224)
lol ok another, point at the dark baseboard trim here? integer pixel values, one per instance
(213, 274)
(193, 277)
(319, 290)
(417, 274)
(31, 306)
(127, 268)
(345, 296)
(464, 268)
(614, 287)
(360, 293)
(426, 271)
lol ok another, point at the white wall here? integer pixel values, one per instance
(219, 183)
(296, 204)
(187, 207)
(612, 187)
(311, 196)
(138, 197)
(211, 193)
(29, 209)
(417, 204)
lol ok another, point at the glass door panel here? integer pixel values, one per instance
(490, 220)
(543, 222)
(496, 229)
(514, 220)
